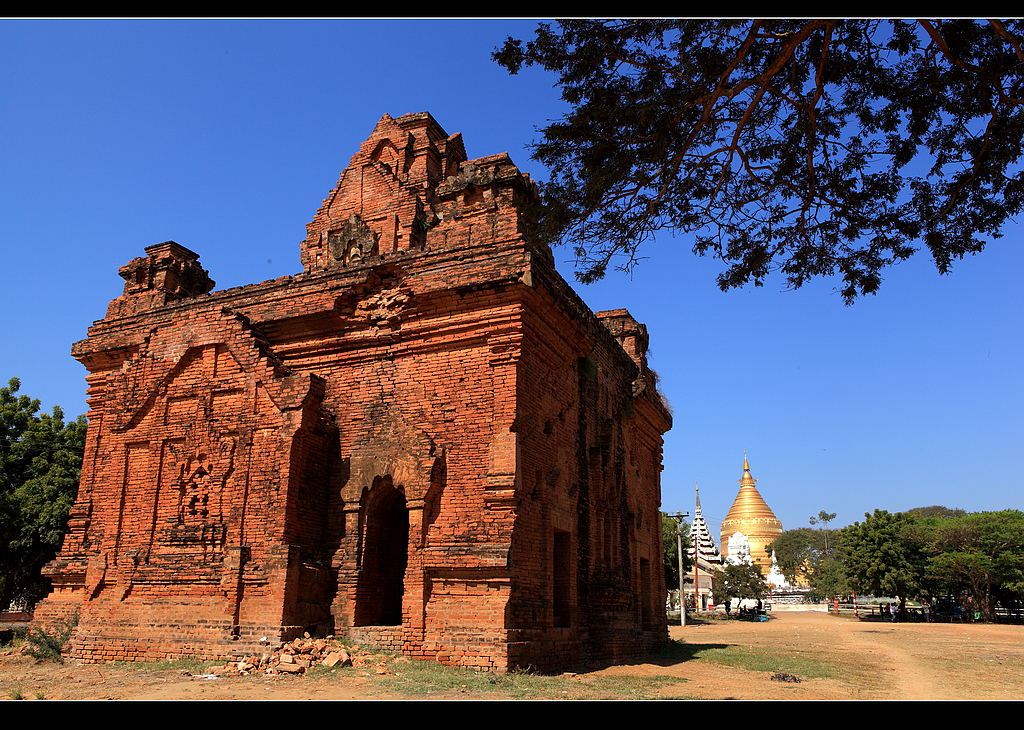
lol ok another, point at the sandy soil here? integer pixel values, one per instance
(888, 662)
(895, 661)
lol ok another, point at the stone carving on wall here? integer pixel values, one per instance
(201, 479)
(353, 243)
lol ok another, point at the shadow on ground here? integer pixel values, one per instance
(677, 652)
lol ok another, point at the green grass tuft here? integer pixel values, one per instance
(803, 664)
(50, 645)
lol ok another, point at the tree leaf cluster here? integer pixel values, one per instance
(807, 147)
(812, 555)
(739, 580)
(797, 551)
(883, 555)
(804, 553)
(979, 556)
(936, 511)
(40, 466)
(974, 558)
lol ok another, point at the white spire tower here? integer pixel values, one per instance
(701, 539)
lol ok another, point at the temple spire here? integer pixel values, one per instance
(751, 519)
(702, 544)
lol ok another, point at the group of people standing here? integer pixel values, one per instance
(893, 612)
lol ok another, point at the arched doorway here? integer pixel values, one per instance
(385, 556)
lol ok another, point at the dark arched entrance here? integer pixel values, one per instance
(385, 555)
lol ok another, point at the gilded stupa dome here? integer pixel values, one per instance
(751, 516)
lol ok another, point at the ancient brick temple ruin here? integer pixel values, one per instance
(425, 440)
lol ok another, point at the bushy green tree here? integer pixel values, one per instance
(977, 556)
(812, 555)
(739, 580)
(884, 555)
(829, 579)
(811, 147)
(40, 465)
(797, 551)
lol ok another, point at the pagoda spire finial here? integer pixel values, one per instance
(747, 478)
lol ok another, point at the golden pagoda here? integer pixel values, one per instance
(750, 521)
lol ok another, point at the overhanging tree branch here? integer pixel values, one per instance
(831, 139)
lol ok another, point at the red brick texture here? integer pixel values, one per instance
(424, 440)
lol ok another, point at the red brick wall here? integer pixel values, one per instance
(424, 435)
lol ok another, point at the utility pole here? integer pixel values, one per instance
(679, 517)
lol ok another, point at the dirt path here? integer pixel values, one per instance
(901, 674)
(863, 660)
(873, 661)
(942, 661)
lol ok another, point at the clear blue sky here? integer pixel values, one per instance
(225, 136)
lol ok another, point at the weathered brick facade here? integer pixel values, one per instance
(425, 440)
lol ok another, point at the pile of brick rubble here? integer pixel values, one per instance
(298, 655)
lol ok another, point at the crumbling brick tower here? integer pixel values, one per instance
(424, 440)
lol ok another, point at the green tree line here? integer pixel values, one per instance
(976, 559)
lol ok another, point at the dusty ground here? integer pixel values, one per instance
(872, 661)
(876, 661)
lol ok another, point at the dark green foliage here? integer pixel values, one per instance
(829, 580)
(977, 556)
(740, 581)
(883, 555)
(974, 558)
(40, 464)
(806, 147)
(936, 511)
(812, 553)
(797, 551)
(589, 368)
